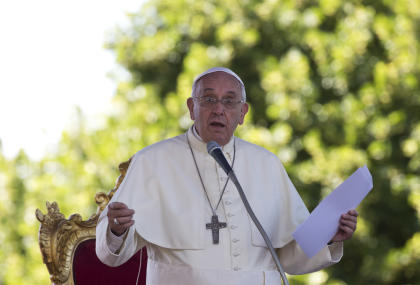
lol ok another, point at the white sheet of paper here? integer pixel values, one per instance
(319, 228)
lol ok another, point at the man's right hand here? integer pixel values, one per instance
(120, 217)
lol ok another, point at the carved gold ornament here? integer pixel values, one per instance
(59, 237)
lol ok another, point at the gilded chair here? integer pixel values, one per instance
(68, 247)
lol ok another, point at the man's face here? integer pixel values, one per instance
(217, 123)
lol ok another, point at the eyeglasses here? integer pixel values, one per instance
(209, 102)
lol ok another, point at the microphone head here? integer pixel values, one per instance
(212, 145)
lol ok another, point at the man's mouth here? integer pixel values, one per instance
(217, 124)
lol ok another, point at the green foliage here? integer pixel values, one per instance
(332, 85)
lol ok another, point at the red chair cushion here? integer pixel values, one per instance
(89, 270)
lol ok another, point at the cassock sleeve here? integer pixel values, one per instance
(294, 260)
(131, 244)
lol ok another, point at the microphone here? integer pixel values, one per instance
(214, 149)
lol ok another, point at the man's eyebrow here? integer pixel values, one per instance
(211, 89)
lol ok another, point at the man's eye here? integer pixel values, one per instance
(228, 101)
(208, 99)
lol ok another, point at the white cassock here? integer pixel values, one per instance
(171, 211)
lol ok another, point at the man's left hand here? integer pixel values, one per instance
(347, 227)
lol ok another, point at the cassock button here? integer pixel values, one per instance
(228, 202)
(236, 254)
(236, 268)
(230, 215)
(235, 240)
(233, 227)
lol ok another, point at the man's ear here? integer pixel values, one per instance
(190, 105)
(244, 111)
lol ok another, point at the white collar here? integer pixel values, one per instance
(198, 143)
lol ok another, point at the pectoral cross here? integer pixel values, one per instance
(215, 226)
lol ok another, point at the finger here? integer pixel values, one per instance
(120, 229)
(349, 218)
(120, 213)
(123, 213)
(117, 205)
(128, 224)
(348, 223)
(122, 220)
(353, 212)
(121, 224)
(349, 231)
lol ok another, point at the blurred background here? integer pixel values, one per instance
(332, 84)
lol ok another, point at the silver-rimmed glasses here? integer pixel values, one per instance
(209, 102)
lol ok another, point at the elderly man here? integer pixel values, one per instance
(178, 202)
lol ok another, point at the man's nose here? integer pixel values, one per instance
(218, 107)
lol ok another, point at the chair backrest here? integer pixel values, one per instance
(68, 246)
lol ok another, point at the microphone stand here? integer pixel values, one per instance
(232, 176)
